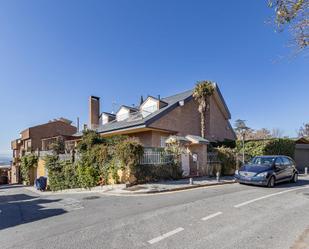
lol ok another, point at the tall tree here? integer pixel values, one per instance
(293, 14)
(202, 91)
(304, 130)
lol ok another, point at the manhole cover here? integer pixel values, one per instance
(91, 197)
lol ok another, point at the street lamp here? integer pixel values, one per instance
(241, 128)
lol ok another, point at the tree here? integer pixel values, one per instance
(304, 130)
(294, 15)
(241, 129)
(276, 133)
(203, 90)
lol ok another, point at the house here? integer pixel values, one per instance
(5, 167)
(301, 155)
(156, 119)
(38, 138)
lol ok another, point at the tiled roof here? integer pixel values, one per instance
(109, 114)
(197, 139)
(137, 119)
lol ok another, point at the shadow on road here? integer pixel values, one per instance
(22, 208)
(300, 183)
(10, 186)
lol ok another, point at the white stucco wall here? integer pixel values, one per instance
(122, 114)
(149, 106)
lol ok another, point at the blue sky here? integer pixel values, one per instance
(54, 54)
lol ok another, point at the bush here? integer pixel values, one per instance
(128, 152)
(56, 177)
(61, 174)
(88, 176)
(70, 174)
(280, 146)
(27, 162)
(228, 160)
(146, 173)
(284, 147)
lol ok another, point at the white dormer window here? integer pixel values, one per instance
(122, 114)
(149, 106)
(104, 119)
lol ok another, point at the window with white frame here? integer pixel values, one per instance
(163, 141)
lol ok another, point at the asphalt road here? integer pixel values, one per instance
(229, 216)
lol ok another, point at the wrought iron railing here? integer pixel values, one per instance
(155, 156)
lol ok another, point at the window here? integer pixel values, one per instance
(123, 114)
(278, 162)
(28, 145)
(149, 106)
(286, 161)
(263, 160)
(162, 142)
(291, 161)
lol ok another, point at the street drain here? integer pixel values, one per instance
(91, 197)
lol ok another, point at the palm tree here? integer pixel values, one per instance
(202, 91)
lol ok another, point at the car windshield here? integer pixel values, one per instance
(263, 160)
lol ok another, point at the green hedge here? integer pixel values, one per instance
(27, 162)
(147, 173)
(227, 157)
(280, 146)
(100, 159)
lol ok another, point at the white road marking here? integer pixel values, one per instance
(211, 216)
(166, 235)
(268, 196)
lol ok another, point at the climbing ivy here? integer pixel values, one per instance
(27, 162)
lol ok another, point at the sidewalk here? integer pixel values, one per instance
(148, 188)
(172, 185)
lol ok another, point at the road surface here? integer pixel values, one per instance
(229, 216)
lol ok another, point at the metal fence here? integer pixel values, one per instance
(212, 157)
(155, 156)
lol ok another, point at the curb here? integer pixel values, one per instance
(170, 190)
(193, 187)
(103, 189)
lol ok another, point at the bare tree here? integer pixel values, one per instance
(304, 130)
(261, 134)
(277, 133)
(293, 14)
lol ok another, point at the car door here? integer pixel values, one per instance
(279, 169)
(288, 167)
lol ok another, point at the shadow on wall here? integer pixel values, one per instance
(21, 209)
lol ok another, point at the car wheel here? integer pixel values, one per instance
(295, 178)
(271, 182)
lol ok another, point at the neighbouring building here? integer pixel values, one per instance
(38, 138)
(301, 155)
(157, 119)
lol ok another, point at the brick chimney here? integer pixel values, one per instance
(94, 112)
